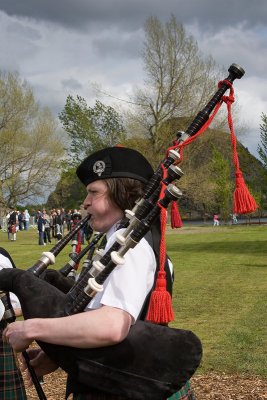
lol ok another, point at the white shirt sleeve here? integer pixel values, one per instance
(5, 263)
(129, 284)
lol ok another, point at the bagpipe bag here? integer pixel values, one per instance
(153, 362)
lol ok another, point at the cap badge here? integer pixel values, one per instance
(99, 167)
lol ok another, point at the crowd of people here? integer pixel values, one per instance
(54, 223)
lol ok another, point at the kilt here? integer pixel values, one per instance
(11, 381)
(185, 393)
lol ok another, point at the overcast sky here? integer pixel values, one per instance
(61, 46)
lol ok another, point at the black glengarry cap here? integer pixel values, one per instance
(114, 162)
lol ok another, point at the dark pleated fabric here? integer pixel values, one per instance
(11, 381)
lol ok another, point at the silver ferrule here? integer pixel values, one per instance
(177, 171)
(174, 154)
(46, 260)
(129, 244)
(175, 191)
(183, 137)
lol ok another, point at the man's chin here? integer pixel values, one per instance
(94, 225)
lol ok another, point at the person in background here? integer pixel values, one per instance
(63, 219)
(41, 227)
(12, 224)
(47, 228)
(26, 220)
(52, 224)
(216, 221)
(68, 219)
(20, 220)
(7, 224)
(87, 230)
(57, 224)
(234, 219)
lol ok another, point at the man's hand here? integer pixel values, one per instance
(40, 362)
(15, 335)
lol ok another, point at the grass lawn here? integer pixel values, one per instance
(26, 251)
(219, 292)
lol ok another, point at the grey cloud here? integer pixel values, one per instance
(80, 14)
(71, 83)
(118, 45)
(75, 42)
(129, 14)
(16, 28)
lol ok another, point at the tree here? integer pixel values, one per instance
(223, 186)
(69, 191)
(30, 144)
(179, 81)
(262, 147)
(90, 128)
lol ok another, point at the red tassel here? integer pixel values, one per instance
(160, 308)
(243, 201)
(176, 221)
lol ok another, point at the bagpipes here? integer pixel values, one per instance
(63, 278)
(76, 243)
(154, 361)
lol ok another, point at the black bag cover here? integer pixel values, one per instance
(152, 363)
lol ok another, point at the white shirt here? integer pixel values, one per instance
(128, 285)
(5, 263)
(26, 215)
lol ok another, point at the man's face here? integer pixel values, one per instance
(103, 212)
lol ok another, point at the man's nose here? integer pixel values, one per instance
(87, 202)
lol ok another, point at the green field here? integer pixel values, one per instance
(220, 290)
(220, 294)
